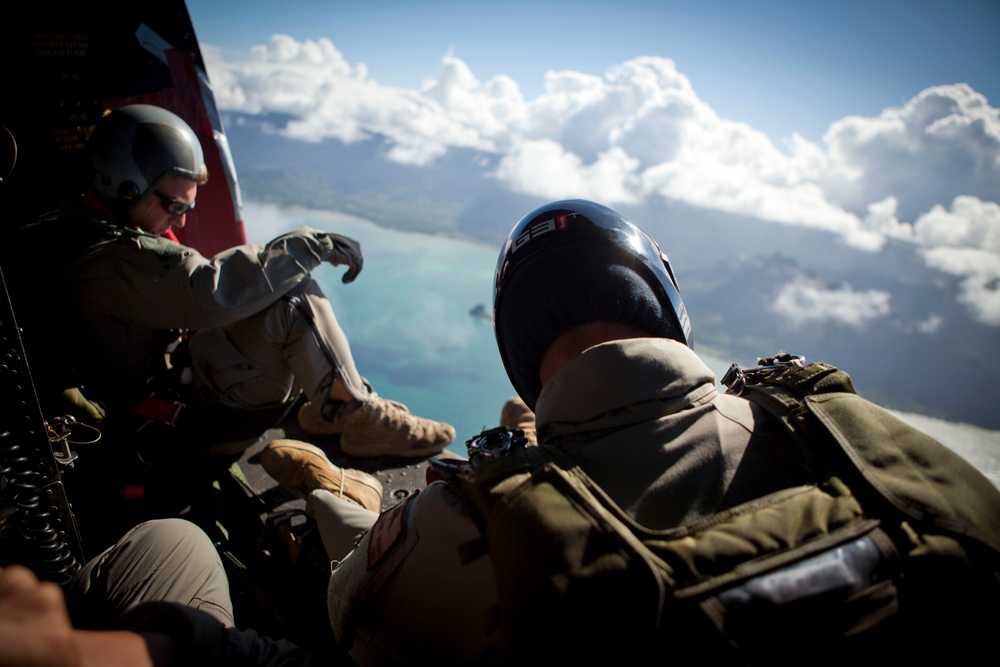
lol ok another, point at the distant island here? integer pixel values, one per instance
(479, 310)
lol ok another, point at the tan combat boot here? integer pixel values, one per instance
(302, 468)
(516, 414)
(386, 428)
(311, 420)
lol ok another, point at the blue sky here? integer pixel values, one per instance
(781, 67)
(876, 120)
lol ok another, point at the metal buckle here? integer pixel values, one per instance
(736, 379)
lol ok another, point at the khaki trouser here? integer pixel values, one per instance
(256, 361)
(340, 522)
(167, 560)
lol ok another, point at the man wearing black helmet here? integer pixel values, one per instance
(746, 530)
(608, 350)
(594, 336)
(256, 323)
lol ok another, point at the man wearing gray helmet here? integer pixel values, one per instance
(256, 322)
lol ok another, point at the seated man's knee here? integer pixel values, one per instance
(172, 538)
(165, 560)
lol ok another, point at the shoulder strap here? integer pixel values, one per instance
(485, 483)
(916, 474)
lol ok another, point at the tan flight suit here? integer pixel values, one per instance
(137, 290)
(642, 417)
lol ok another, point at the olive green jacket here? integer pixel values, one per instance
(134, 292)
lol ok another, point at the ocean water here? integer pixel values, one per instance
(413, 336)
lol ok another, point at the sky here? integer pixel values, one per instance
(874, 120)
(781, 67)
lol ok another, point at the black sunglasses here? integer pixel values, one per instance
(173, 206)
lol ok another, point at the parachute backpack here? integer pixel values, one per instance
(894, 551)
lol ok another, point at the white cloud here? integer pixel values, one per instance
(931, 324)
(883, 220)
(943, 143)
(643, 125)
(330, 98)
(965, 242)
(285, 76)
(641, 131)
(970, 223)
(807, 300)
(545, 168)
(979, 270)
(665, 141)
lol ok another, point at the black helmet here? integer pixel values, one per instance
(135, 147)
(569, 263)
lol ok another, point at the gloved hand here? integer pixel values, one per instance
(346, 251)
(85, 408)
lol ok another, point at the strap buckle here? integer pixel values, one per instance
(736, 379)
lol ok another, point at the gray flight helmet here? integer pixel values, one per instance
(133, 148)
